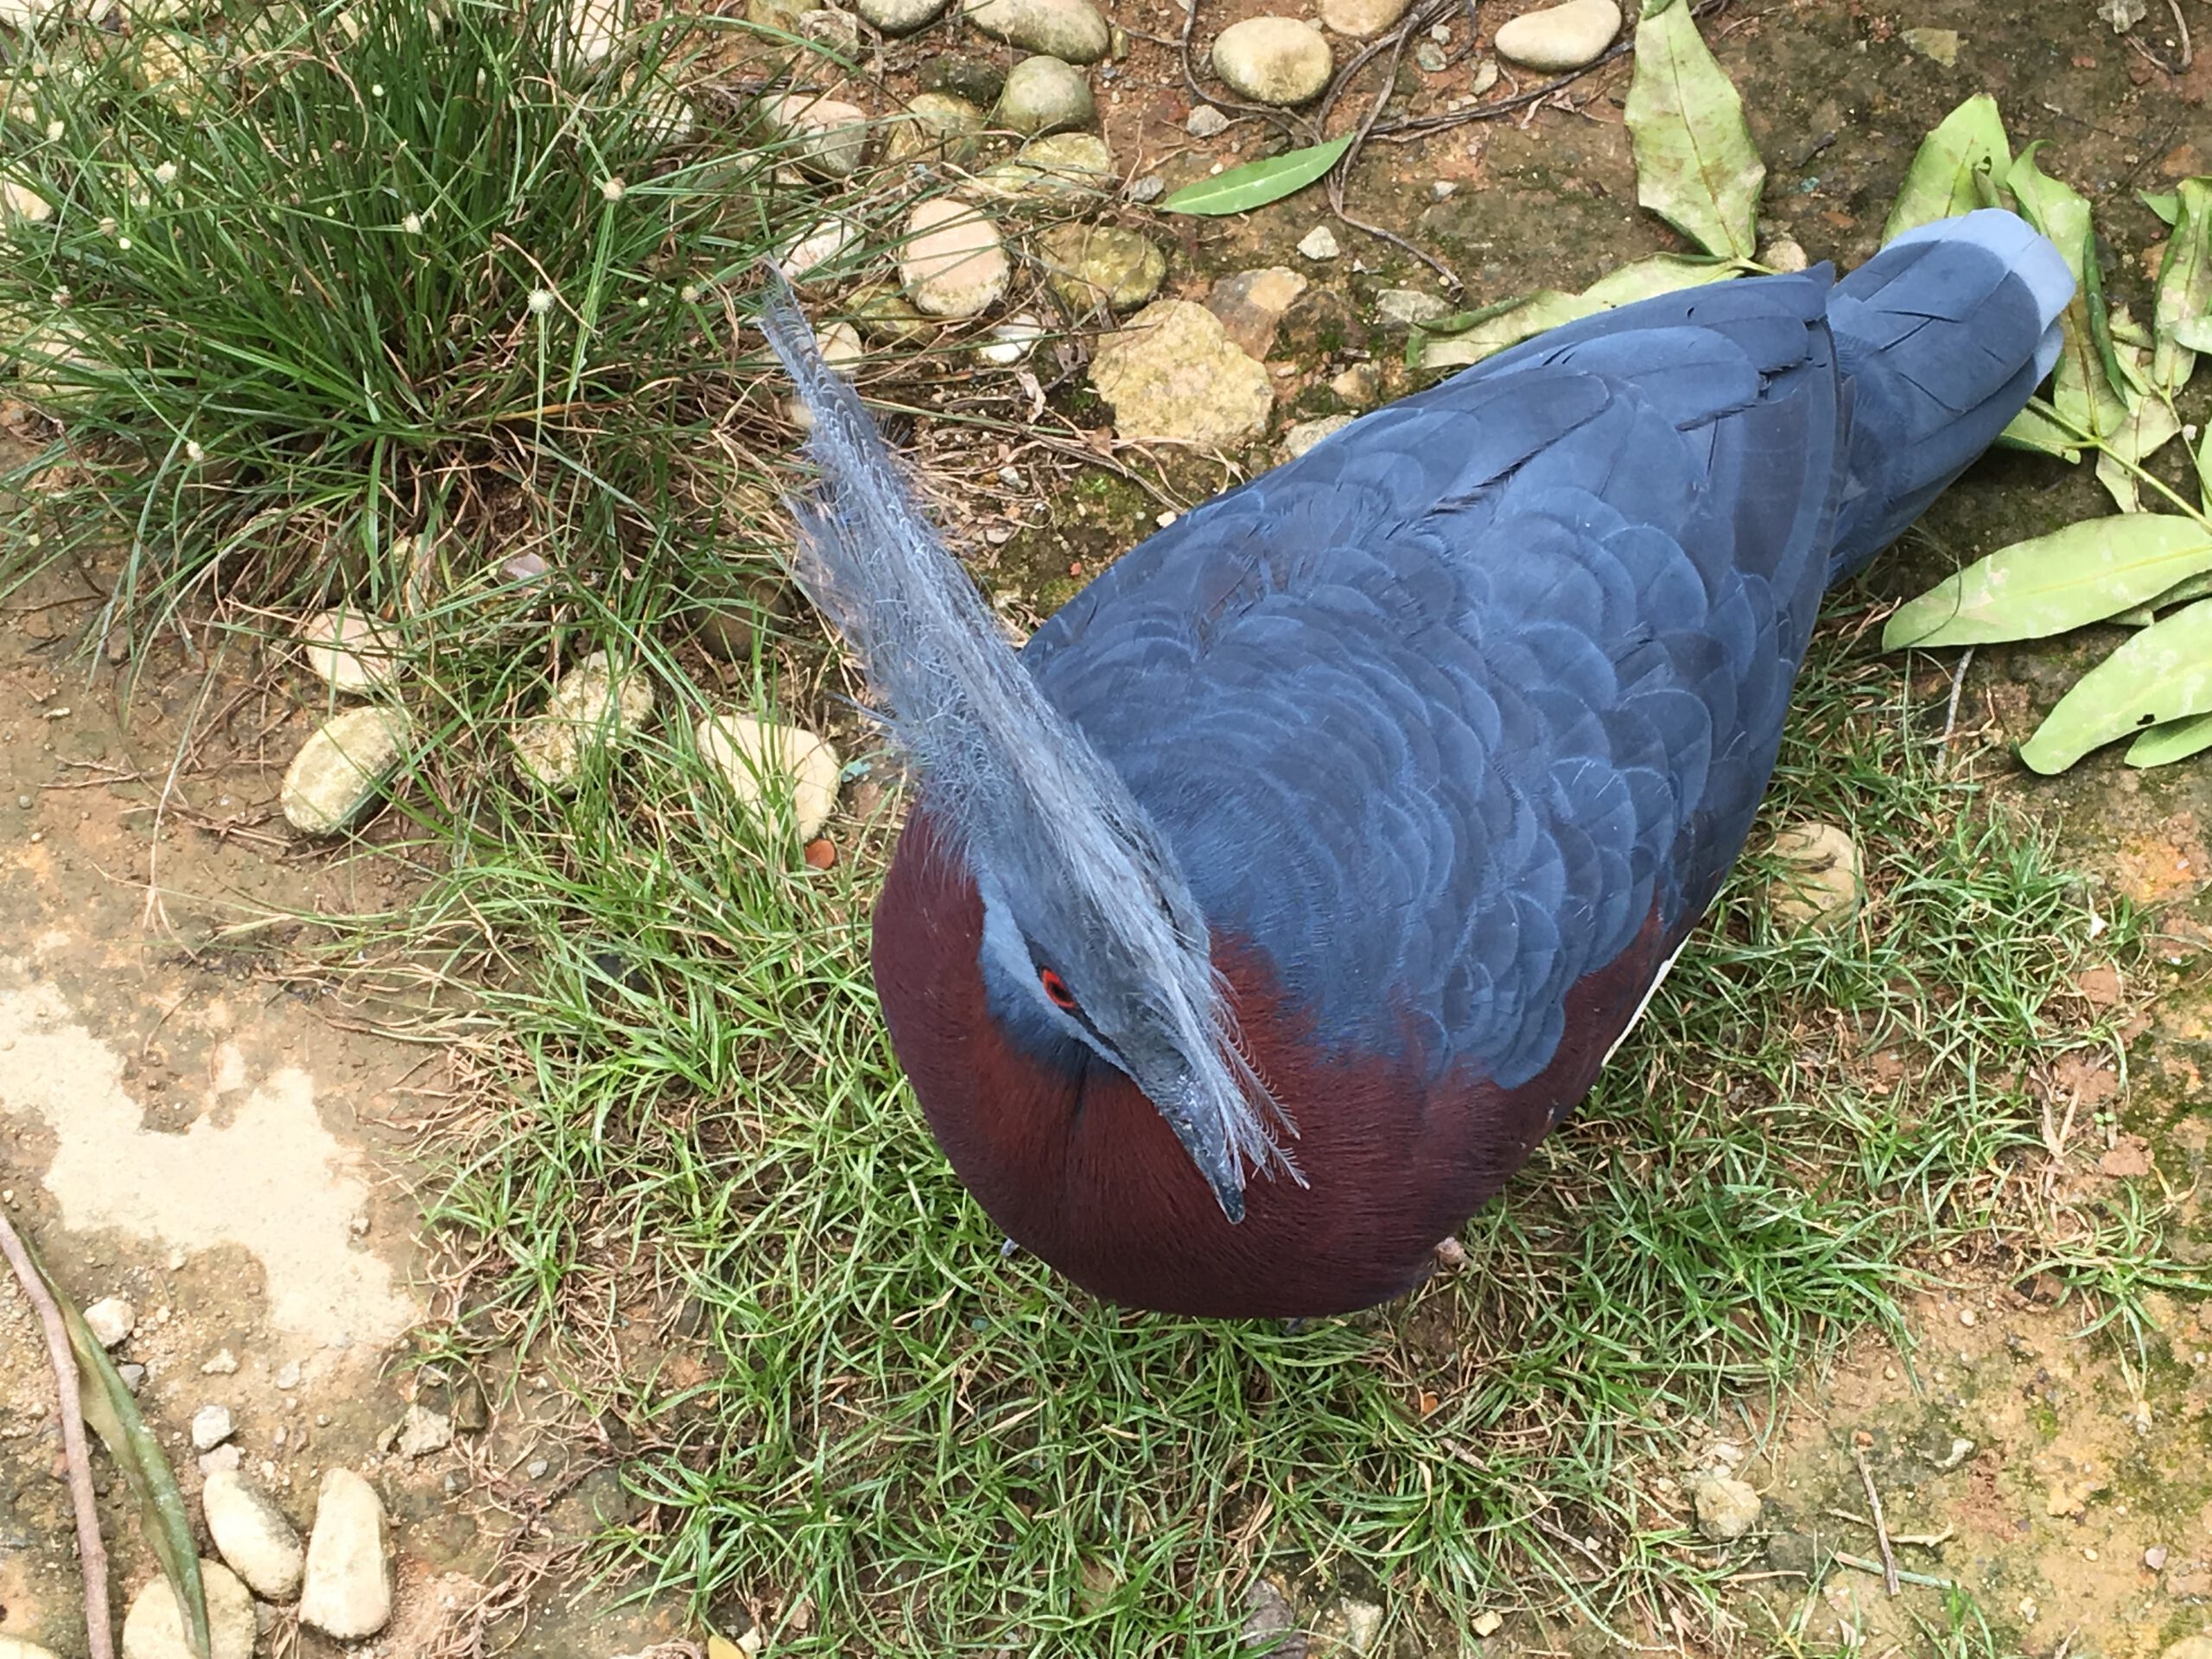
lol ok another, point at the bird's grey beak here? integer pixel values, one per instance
(1198, 1123)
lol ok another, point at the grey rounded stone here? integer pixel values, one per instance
(154, 1627)
(1087, 265)
(1817, 883)
(1726, 1508)
(593, 708)
(110, 1320)
(253, 1535)
(339, 773)
(349, 650)
(1278, 61)
(977, 80)
(1784, 254)
(1071, 30)
(14, 1647)
(211, 1427)
(830, 136)
(1560, 38)
(1404, 307)
(938, 125)
(1066, 163)
(1303, 436)
(901, 16)
(954, 262)
(1044, 95)
(347, 1587)
(1205, 122)
(1363, 20)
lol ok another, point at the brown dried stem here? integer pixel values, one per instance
(92, 1554)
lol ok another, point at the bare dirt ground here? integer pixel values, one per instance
(223, 1149)
(185, 1128)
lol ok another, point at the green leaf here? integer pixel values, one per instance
(1664, 273)
(2059, 211)
(1257, 183)
(2148, 422)
(112, 1413)
(1475, 335)
(2181, 593)
(2183, 311)
(2162, 673)
(2165, 207)
(2051, 583)
(2174, 740)
(1423, 335)
(1941, 181)
(1546, 308)
(1695, 164)
(2033, 430)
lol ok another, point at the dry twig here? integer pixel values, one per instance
(1881, 1526)
(92, 1554)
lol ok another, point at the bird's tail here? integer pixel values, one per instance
(1941, 337)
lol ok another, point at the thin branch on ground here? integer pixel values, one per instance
(92, 1554)
(1881, 1524)
(1894, 1575)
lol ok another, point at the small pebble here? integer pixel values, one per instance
(1403, 307)
(253, 1535)
(110, 1320)
(287, 1374)
(348, 649)
(154, 1627)
(1044, 96)
(1320, 243)
(1011, 340)
(2155, 1558)
(211, 1427)
(592, 709)
(1966, 1316)
(1430, 56)
(133, 1375)
(1071, 30)
(422, 1432)
(1488, 1623)
(1206, 121)
(347, 1591)
(224, 1364)
(1783, 255)
(1726, 1508)
(799, 764)
(1149, 189)
(536, 1468)
(1304, 435)
(1278, 60)
(828, 137)
(821, 852)
(1560, 38)
(954, 262)
(341, 768)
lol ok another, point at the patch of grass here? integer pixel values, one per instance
(368, 300)
(885, 1433)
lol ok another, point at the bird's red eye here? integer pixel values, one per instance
(1056, 989)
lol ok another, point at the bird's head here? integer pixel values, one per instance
(1090, 931)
